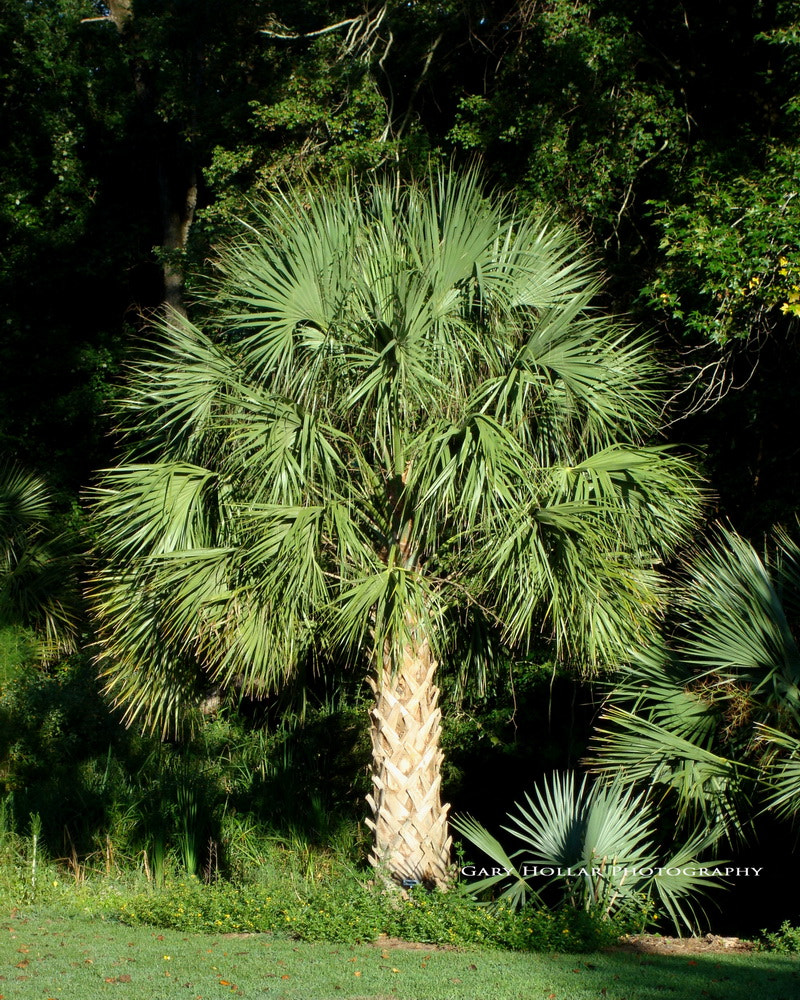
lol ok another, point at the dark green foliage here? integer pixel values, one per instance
(110, 132)
(18, 650)
(307, 777)
(534, 717)
(731, 256)
(582, 111)
(620, 112)
(58, 755)
(67, 252)
(99, 788)
(38, 557)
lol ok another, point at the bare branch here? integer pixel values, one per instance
(360, 39)
(309, 34)
(709, 384)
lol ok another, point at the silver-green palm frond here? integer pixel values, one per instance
(740, 629)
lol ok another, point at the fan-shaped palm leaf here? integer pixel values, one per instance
(713, 716)
(37, 585)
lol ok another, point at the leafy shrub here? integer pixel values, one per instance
(347, 910)
(784, 941)
(109, 798)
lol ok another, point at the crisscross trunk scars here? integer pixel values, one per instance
(411, 839)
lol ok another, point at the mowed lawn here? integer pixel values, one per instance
(47, 955)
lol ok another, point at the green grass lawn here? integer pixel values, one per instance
(47, 954)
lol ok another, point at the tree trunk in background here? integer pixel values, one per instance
(177, 170)
(177, 213)
(411, 839)
(120, 12)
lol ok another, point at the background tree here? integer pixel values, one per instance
(412, 426)
(123, 129)
(666, 132)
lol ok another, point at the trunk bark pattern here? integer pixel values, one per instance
(411, 839)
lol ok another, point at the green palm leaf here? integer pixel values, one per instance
(37, 564)
(712, 717)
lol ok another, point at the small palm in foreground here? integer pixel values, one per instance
(713, 717)
(597, 844)
(412, 426)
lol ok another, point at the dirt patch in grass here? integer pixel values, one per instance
(384, 941)
(645, 944)
(654, 944)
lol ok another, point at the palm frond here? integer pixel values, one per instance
(782, 771)
(681, 885)
(703, 784)
(517, 890)
(37, 564)
(739, 626)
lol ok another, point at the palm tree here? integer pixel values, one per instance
(712, 716)
(410, 426)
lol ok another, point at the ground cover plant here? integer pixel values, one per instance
(348, 910)
(46, 953)
(785, 940)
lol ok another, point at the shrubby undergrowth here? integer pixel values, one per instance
(108, 797)
(785, 940)
(310, 896)
(348, 911)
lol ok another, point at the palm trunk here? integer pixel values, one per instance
(411, 839)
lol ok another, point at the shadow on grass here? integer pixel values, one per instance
(641, 976)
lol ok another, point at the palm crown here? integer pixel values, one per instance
(411, 416)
